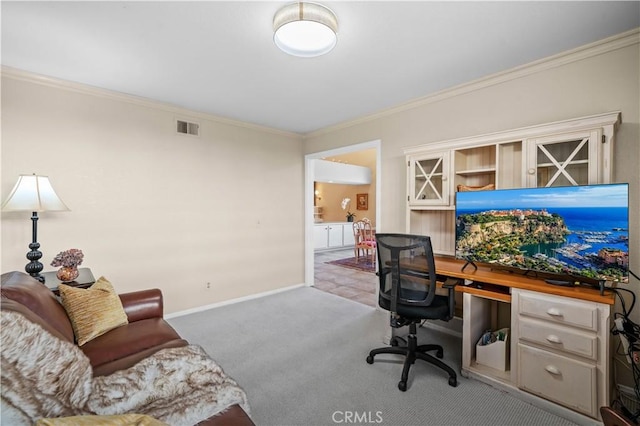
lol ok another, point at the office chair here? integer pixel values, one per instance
(407, 282)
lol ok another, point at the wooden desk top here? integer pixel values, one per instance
(453, 268)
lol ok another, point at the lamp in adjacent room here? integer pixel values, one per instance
(305, 29)
(34, 194)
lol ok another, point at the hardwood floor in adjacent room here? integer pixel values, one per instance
(349, 283)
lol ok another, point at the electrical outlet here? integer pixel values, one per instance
(208, 285)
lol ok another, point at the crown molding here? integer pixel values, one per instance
(597, 48)
(27, 76)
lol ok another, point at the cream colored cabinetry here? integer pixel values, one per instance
(562, 350)
(428, 174)
(571, 152)
(565, 160)
(332, 235)
(559, 348)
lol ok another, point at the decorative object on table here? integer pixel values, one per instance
(68, 260)
(33, 193)
(345, 206)
(363, 201)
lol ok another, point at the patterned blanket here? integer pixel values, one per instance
(43, 376)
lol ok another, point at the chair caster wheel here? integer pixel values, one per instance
(402, 386)
(369, 359)
(453, 382)
(440, 354)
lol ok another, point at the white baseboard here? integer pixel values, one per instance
(232, 301)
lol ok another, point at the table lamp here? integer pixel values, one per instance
(34, 194)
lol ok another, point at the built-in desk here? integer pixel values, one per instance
(558, 342)
(503, 281)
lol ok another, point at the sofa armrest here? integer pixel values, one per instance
(144, 304)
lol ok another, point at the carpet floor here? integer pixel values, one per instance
(363, 264)
(300, 356)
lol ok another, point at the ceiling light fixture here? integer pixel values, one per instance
(305, 29)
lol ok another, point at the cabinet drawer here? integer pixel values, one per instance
(561, 338)
(559, 310)
(564, 380)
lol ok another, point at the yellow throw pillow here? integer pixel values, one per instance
(93, 311)
(115, 420)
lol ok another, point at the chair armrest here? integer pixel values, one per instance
(144, 304)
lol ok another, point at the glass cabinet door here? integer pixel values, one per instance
(563, 160)
(428, 184)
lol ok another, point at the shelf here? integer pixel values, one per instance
(502, 376)
(474, 172)
(488, 291)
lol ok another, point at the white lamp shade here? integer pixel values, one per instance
(34, 194)
(305, 29)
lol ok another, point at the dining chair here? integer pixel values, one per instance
(365, 242)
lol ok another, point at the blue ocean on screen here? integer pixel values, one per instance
(590, 230)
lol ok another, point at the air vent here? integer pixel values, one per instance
(187, 128)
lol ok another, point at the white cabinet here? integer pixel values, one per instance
(332, 235)
(348, 237)
(562, 344)
(565, 160)
(571, 152)
(559, 347)
(428, 174)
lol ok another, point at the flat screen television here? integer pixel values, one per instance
(578, 233)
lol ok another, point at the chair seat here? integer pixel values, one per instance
(438, 309)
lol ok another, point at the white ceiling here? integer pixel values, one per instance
(219, 57)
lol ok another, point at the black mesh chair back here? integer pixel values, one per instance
(396, 254)
(408, 284)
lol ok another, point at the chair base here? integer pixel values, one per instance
(412, 352)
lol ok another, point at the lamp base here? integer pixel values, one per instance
(34, 267)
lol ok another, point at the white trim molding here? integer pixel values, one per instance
(610, 44)
(27, 76)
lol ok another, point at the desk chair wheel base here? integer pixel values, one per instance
(412, 352)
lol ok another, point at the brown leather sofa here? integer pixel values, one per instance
(121, 348)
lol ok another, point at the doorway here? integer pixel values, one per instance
(311, 260)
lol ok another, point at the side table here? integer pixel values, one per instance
(85, 280)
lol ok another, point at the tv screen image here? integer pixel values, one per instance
(580, 232)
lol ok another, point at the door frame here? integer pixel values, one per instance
(309, 194)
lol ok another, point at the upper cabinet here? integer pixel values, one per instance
(564, 153)
(565, 160)
(428, 175)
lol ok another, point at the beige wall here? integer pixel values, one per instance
(600, 78)
(332, 194)
(149, 207)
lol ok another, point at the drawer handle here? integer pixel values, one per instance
(553, 370)
(553, 338)
(554, 312)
